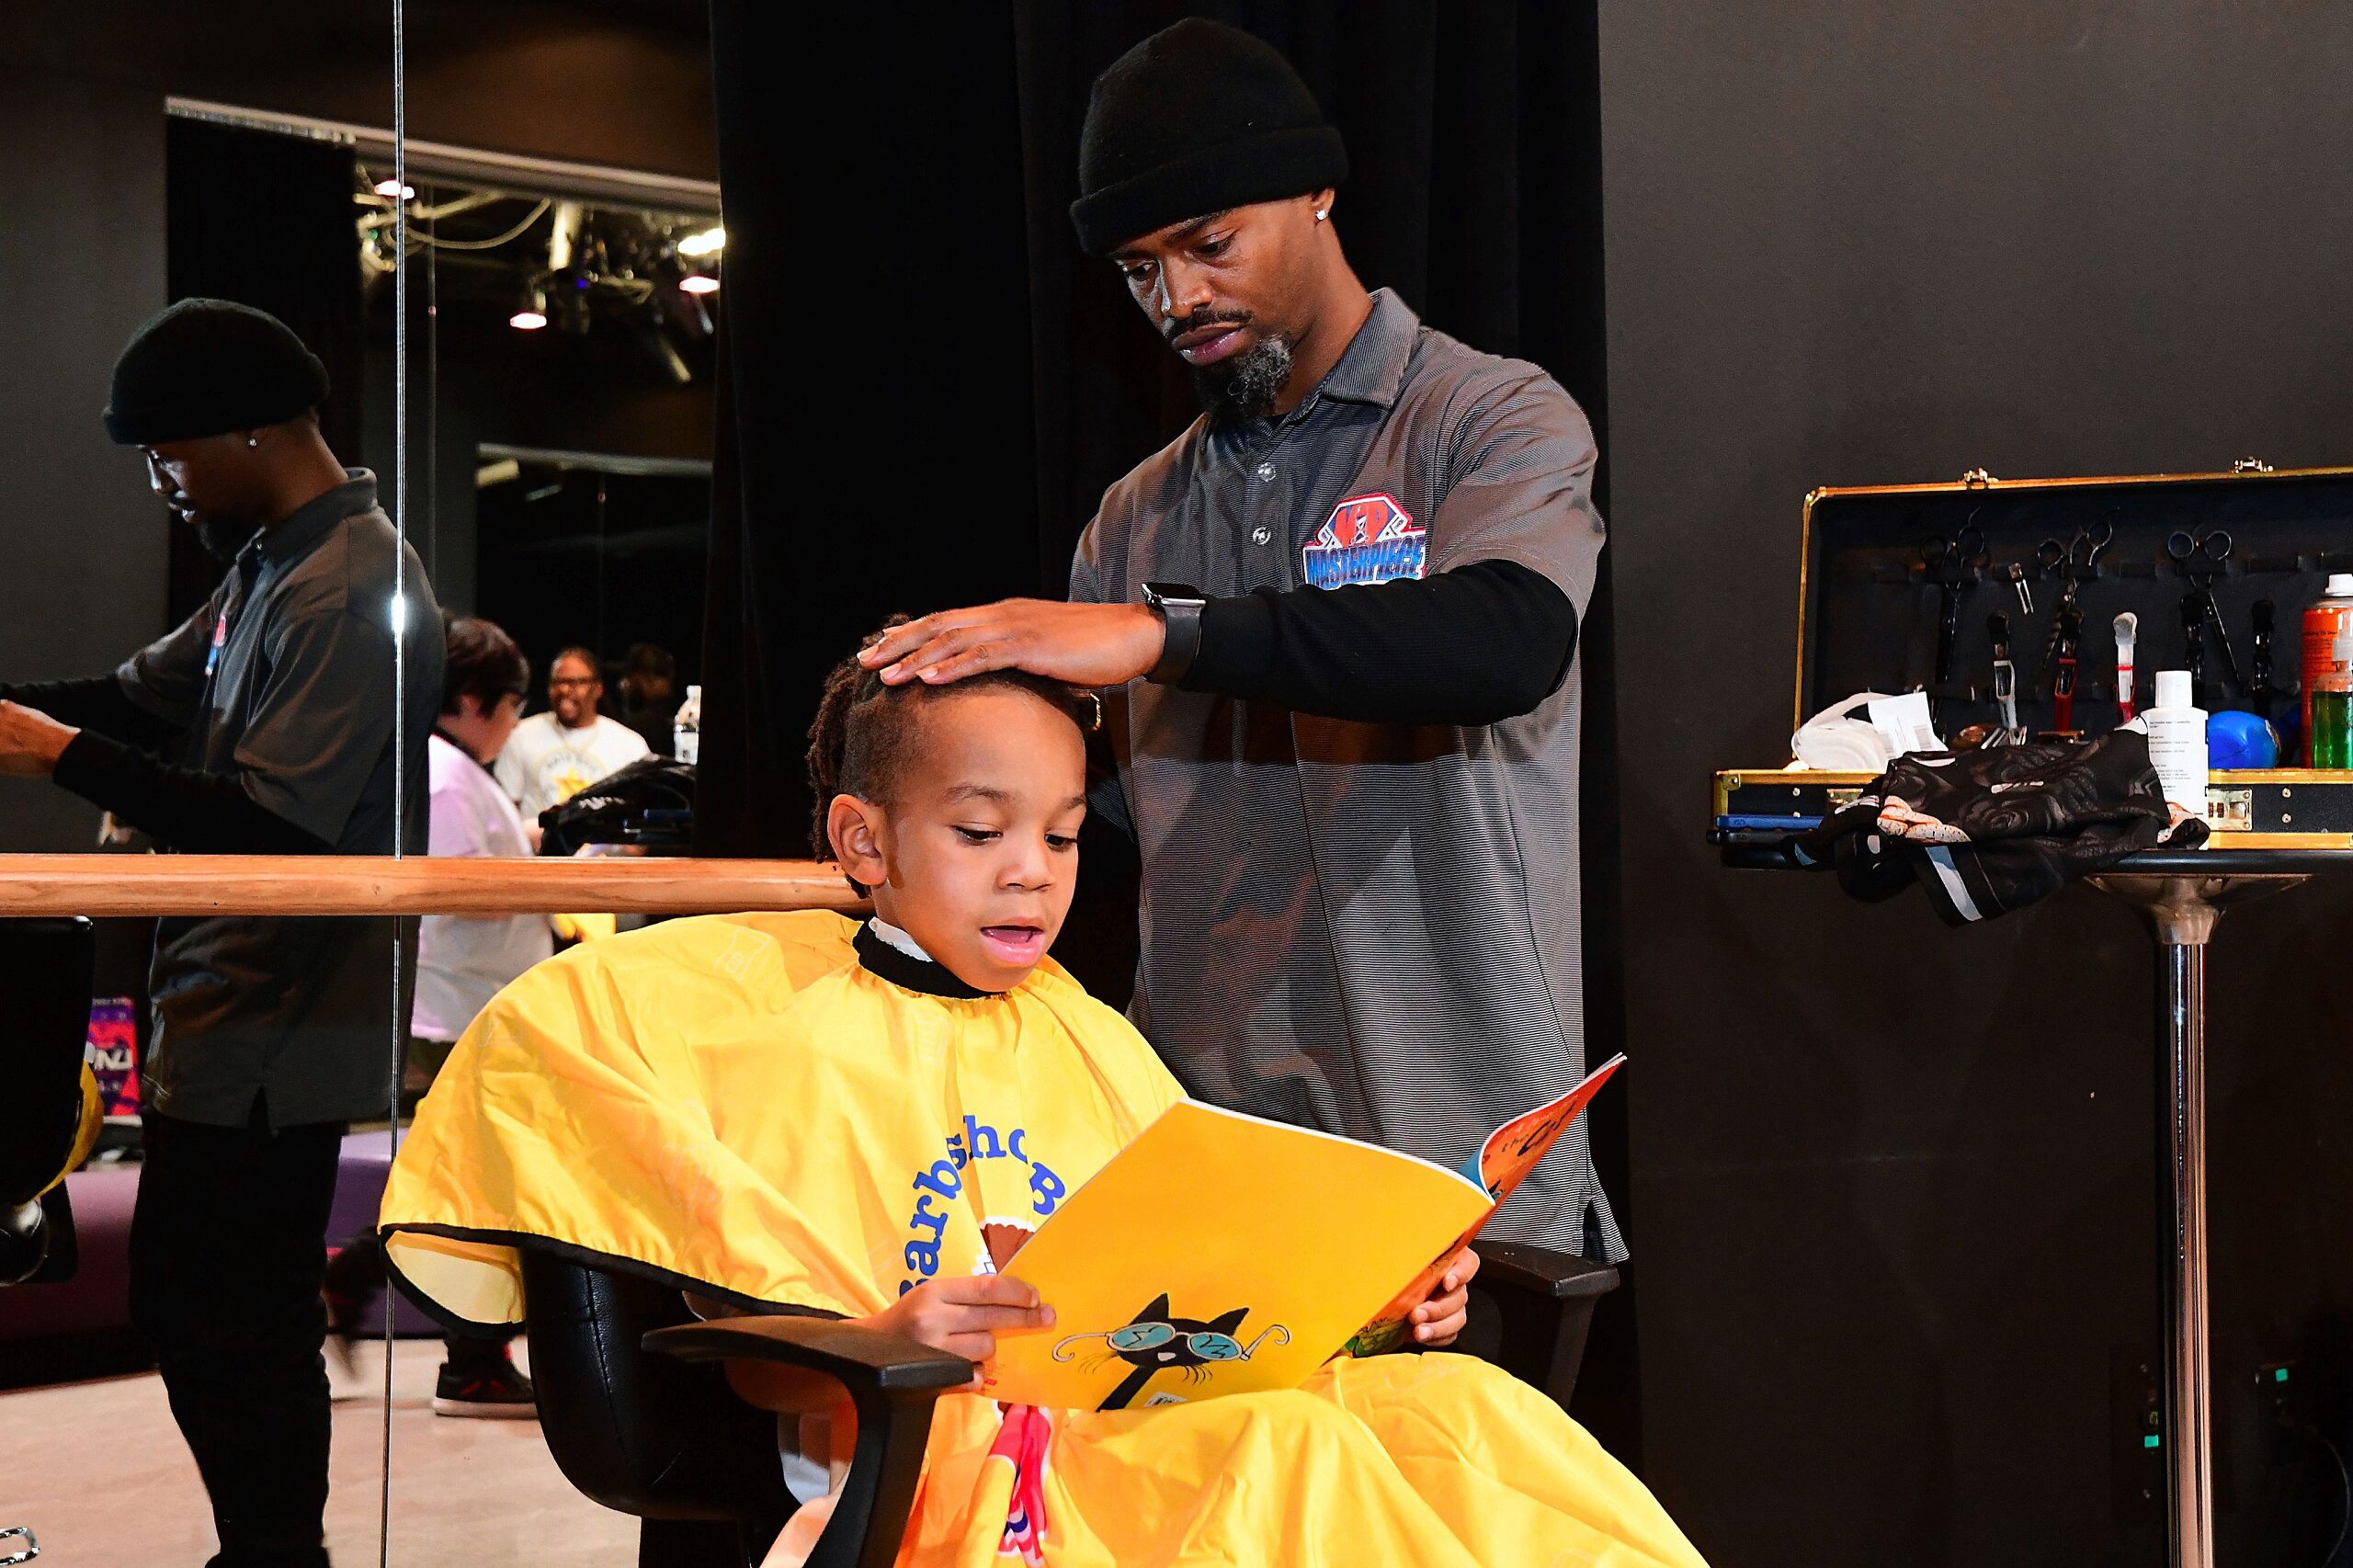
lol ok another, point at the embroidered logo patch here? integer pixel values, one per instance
(1367, 539)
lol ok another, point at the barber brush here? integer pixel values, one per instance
(2128, 626)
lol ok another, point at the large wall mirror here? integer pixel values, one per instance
(547, 234)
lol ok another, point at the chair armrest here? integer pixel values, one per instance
(892, 1380)
(1541, 1271)
(1542, 1304)
(851, 1352)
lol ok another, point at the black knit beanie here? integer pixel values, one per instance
(1195, 118)
(206, 368)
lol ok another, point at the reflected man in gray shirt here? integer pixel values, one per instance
(266, 724)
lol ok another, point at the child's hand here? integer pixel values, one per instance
(964, 1316)
(1438, 1320)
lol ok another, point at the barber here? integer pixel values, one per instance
(1344, 604)
(263, 725)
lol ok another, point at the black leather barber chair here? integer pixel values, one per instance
(663, 1436)
(45, 970)
(648, 806)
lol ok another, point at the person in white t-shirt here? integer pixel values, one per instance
(554, 756)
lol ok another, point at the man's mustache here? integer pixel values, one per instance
(1201, 319)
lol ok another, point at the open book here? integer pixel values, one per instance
(1221, 1254)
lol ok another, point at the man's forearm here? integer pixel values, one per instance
(1476, 645)
(204, 813)
(95, 702)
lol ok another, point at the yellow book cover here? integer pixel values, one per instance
(1220, 1254)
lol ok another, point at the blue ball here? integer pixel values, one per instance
(2240, 740)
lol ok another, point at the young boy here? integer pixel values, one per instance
(861, 1119)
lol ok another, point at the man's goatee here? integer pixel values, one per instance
(1244, 387)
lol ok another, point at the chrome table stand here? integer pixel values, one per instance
(2182, 894)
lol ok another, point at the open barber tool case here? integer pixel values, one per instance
(1900, 586)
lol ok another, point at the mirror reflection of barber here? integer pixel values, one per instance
(1348, 748)
(263, 725)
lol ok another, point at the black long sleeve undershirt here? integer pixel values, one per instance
(96, 702)
(1475, 645)
(201, 813)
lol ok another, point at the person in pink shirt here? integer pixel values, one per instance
(462, 962)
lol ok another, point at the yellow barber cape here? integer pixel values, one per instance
(737, 1105)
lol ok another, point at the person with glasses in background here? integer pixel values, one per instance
(554, 756)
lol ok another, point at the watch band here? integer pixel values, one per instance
(1178, 605)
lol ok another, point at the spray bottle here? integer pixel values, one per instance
(2330, 696)
(2324, 622)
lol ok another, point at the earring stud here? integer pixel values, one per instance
(1322, 213)
(253, 440)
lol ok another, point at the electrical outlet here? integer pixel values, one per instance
(2284, 1412)
(2138, 1462)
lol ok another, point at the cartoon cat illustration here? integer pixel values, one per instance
(1155, 1341)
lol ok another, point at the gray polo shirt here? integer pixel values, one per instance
(1369, 929)
(284, 678)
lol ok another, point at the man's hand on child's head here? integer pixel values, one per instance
(1438, 1320)
(1089, 645)
(964, 1316)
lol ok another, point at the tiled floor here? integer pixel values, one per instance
(99, 1472)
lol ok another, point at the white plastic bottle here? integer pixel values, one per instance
(2178, 741)
(685, 730)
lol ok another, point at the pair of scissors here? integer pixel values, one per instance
(2202, 557)
(2078, 557)
(2072, 561)
(1952, 560)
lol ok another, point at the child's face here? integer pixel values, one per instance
(977, 855)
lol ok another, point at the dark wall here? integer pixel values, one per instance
(1894, 1185)
(621, 81)
(264, 220)
(493, 385)
(81, 543)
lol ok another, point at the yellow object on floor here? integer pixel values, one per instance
(735, 1104)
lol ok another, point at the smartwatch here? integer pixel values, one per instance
(1178, 605)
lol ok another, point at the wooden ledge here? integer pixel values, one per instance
(100, 884)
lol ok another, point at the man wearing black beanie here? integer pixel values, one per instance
(1344, 607)
(266, 724)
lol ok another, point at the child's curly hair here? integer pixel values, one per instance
(863, 732)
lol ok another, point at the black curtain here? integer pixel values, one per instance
(927, 386)
(267, 220)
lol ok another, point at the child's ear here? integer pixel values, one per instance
(854, 829)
